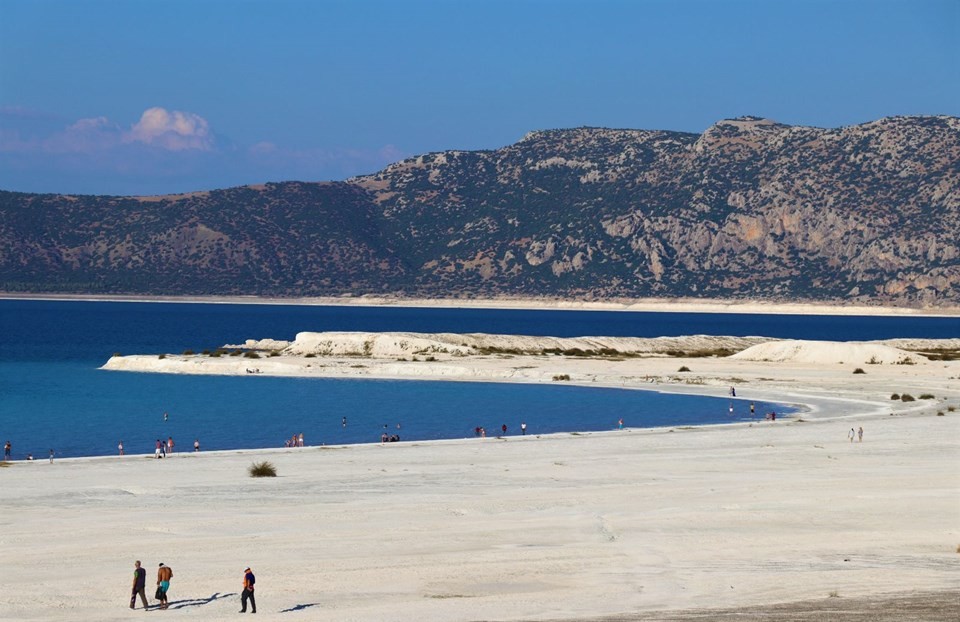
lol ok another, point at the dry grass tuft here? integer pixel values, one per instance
(262, 469)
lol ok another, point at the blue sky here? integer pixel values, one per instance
(151, 97)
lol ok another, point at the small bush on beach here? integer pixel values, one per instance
(251, 355)
(205, 352)
(684, 368)
(274, 353)
(561, 377)
(262, 469)
(309, 355)
(906, 397)
(161, 356)
(927, 396)
(950, 409)
(895, 396)
(859, 370)
(940, 413)
(188, 352)
(834, 594)
(235, 353)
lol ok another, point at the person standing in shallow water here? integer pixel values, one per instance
(7, 448)
(120, 447)
(196, 444)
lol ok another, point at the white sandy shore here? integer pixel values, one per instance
(569, 526)
(664, 305)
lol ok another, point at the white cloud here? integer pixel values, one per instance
(172, 130)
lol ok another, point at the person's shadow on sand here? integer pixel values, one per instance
(198, 602)
(299, 607)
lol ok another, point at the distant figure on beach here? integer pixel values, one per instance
(503, 429)
(751, 409)
(166, 416)
(164, 574)
(851, 434)
(523, 428)
(398, 425)
(620, 423)
(139, 586)
(483, 432)
(29, 456)
(733, 392)
(196, 444)
(860, 434)
(51, 456)
(343, 422)
(731, 408)
(120, 447)
(157, 449)
(7, 448)
(169, 444)
(286, 442)
(300, 440)
(384, 438)
(248, 581)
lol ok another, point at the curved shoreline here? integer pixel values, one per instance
(672, 524)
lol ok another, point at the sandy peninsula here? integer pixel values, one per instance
(780, 520)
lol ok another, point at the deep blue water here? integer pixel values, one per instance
(52, 394)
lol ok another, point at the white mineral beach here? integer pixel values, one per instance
(568, 526)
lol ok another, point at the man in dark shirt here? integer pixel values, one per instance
(248, 581)
(139, 586)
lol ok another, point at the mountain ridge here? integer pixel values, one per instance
(748, 209)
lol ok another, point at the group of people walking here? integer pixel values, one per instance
(165, 574)
(162, 448)
(482, 432)
(294, 441)
(8, 449)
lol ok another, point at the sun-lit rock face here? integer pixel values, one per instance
(750, 209)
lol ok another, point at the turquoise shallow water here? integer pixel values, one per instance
(52, 394)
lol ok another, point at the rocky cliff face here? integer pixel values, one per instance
(748, 209)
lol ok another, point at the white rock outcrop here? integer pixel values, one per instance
(829, 352)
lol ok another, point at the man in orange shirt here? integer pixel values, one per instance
(248, 581)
